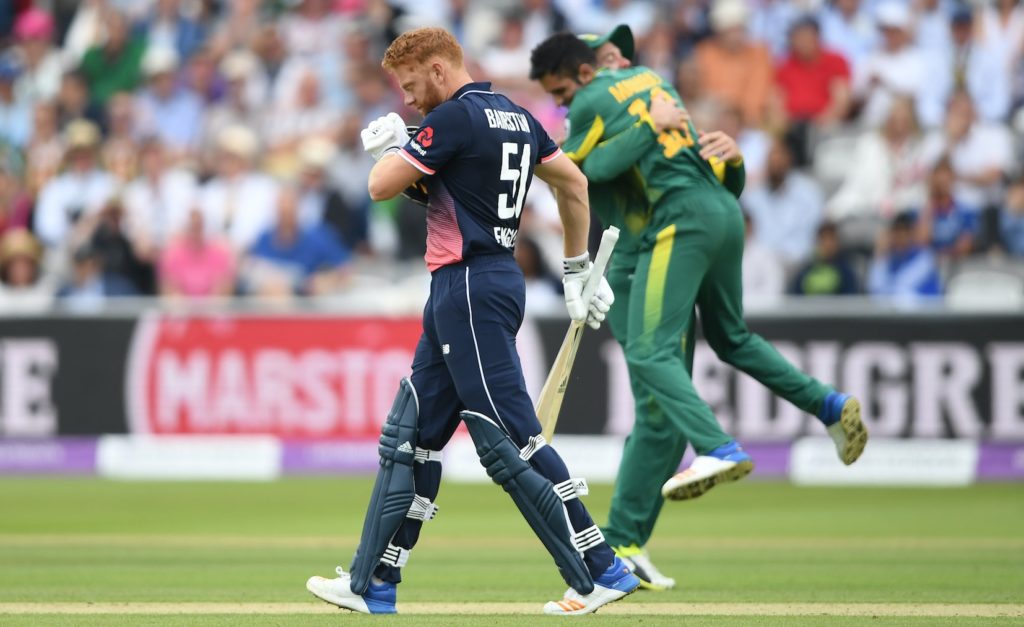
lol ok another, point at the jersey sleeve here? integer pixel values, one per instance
(612, 157)
(547, 149)
(585, 130)
(442, 135)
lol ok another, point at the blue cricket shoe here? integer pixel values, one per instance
(726, 463)
(379, 598)
(840, 413)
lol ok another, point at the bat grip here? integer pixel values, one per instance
(604, 253)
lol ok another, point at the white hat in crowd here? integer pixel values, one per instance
(728, 14)
(894, 14)
(159, 60)
(238, 140)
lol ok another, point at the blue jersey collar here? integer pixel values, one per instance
(482, 87)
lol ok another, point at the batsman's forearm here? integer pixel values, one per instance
(614, 156)
(574, 209)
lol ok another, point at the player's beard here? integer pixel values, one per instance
(432, 99)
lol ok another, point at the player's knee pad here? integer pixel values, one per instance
(394, 495)
(535, 496)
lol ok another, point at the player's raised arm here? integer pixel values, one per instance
(383, 138)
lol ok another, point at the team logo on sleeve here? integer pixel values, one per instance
(425, 137)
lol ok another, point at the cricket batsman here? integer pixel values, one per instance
(688, 249)
(476, 152)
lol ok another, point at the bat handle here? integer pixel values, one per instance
(604, 253)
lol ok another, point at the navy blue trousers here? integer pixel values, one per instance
(466, 359)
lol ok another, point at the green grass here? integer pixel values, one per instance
(100, 541)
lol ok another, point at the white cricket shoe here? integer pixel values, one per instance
(615, 583)
(726, 463)
(379, 598)
(639, 563)
(841, 414)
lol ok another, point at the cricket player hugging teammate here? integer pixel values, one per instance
(475, 154)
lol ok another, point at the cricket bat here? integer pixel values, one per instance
(550, 400)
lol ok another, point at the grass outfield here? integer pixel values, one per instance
(90, 552)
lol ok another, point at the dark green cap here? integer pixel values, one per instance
(621, 36)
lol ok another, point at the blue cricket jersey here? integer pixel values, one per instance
(478, 150)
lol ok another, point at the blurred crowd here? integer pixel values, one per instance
(196, 148)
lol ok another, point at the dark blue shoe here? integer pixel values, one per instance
(840, 413)
(726, 463)
(378, 599)
(613, 584)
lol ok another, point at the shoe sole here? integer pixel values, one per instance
(694, 489)
(854, 430)
(340, 603)
(594, 609)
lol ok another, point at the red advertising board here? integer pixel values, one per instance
(306, 377)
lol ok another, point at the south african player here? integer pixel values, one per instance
(687, 251)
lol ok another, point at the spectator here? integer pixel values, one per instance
(241, 106)
(290, 259)
(104, 234)
(305, 115)
(815, 82)
(115, 65)
(640, 16)
(45, 142)
(902, 269)
(319, 201)
(829, 272)
(169, 27)
(968, 65)
(120, 152)
(239, 202)
(81, 190)
(981, 153)
(23, 287)
(771, 22)
(849, 30)
(507, 63)
(348, 169)
(75, 103)
(731, 68)
(943, 223)
(14, 112)
(201, 78)
(41, 78)
(898, 68)
(764, 277)
(165, 110)
(814, 85)
(157, 202)
(1002, 27)
(311, 29)
(886, 176)
(658, 51)
(241, 26)
(786, 209)
(15, 206)
(541, 18)
(90, 285)
(194, 265)
(1011, 219)
(543, 287)
(931, 18)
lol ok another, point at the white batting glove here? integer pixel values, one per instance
(385, 134)
(577, 272)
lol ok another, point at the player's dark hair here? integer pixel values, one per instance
(561, 54)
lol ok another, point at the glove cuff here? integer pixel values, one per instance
(579, 263)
